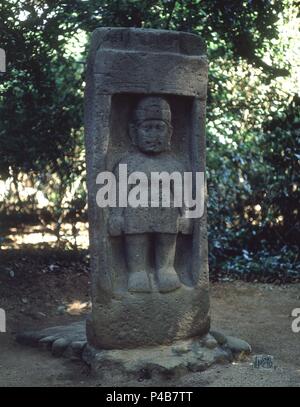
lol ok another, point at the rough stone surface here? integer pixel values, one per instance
(237, 345)
(180, 314)
(209, 341)
(179, 358)
(145, 108)
(166, 361)
(219, 337)
(67, 340)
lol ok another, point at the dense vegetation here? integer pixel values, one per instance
(253, 118)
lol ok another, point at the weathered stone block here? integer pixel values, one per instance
(149, 266)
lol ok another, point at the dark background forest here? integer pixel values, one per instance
(253, 124)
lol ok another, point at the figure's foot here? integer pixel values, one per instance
(139, 282)
(167, 280)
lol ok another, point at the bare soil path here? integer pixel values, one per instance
(42, 296)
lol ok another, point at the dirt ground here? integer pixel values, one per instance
(36, 294)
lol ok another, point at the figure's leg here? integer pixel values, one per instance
(165, 246)
(136, 252)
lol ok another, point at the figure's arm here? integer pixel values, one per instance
(116, 214)
(185, 225)
(115, 222)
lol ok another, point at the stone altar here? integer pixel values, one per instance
(145, 105)
(135, 77)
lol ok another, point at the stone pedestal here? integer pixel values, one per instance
(137, 76)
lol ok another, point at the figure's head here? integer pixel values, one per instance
(152, 128)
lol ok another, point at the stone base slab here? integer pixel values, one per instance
(168, 361)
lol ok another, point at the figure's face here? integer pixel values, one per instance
(153, 136)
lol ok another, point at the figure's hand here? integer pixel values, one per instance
(185, 225)
(115, 225)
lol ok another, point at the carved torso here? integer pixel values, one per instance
(151, 219)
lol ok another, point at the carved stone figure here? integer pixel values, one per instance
(145, 107)
(151, 132)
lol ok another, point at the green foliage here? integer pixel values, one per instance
(41, 96)
(254, 199)
(41, 108)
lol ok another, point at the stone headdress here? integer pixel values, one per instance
(152, 107)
